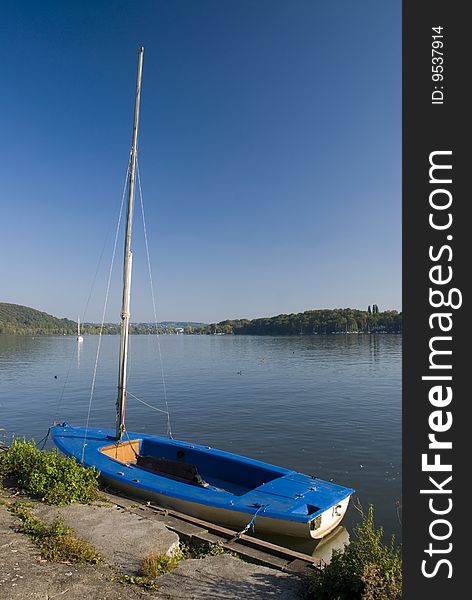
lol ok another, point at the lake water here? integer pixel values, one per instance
(328, 406)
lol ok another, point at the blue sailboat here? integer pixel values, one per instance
(204, 482)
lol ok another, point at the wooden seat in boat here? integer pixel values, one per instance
(174, 469)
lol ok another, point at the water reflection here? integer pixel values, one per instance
(79, 350)
(322, 549)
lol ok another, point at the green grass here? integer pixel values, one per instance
(53, 478)
(56, 542)
(366, 570)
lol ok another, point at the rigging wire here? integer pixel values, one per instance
(145, 403)
(104, 311)
(84, 312)
(169, 429)
(136, 454)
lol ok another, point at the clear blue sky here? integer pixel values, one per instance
(270, 154)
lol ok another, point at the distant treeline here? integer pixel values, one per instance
(134, 328)
(16, 319)
(22, 320)
(313, 322)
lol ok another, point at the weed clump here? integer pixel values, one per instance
(47, 475)
(202, 550)
(366, 570)
(155, 565)
(144, 582)
(56, 542)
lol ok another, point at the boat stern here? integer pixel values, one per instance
(308, 506)
(328, 520)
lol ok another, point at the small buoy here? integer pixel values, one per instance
(55, 376)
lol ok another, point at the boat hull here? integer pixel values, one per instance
(229, 489)
(237, 520)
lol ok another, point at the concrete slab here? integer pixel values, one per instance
(184, 530)
(122, 537)
(191, 533)
(228, 578)
(25, 576)
(255, 556)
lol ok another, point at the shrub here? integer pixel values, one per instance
(54, 478)
(366, 570)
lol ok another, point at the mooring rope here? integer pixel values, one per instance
(104, 312)
(164, 387)
(251, 524)
(43, 440)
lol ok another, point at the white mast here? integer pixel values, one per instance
(125, 312)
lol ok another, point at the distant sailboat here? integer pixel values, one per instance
(79, 337)
(198, 480)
